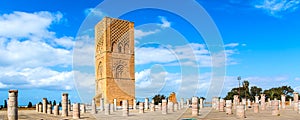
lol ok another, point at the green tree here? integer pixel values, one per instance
(54, 103)
(5, 104)
(158, 98)
(29, 105)
(255, 91)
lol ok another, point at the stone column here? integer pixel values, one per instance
(37, 107)
(181, 103)
(152, 106)
(94, 111)
(69, 107)
(201, 103)
(101, 104)
(228, 107)
(256, 99)
(290, 101)
(12, 105)
(235, 101)
(195, 106)
(49, 108)
(240, 111)
(159, 106)
(295, 97)
(146, 103)
(40, 108)
(44, 105)
(255, 107)
(164, 109)
(82, 108)
(141, 107)
(134, 104)
(115, 104)
(263, 101)
(125, 108)
(221, 105)
(275, 107)
(76, 111)
(217, 104)
(188, 103)
(296, 106)
(175, 107)
(107, 109)
(171, 106)
(214, 103)
(56, 110)
(283, 101)
(64, 105)
(248, 103)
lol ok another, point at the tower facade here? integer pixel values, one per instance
(114, 61)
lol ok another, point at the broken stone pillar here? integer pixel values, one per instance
(256, 99)
(290, 101)
(214, 102)
(37, 107)
(236, 101)
(125, 108)
(152, 106)
(171, 106)
(134, 104)
(299, 107)
(255, 107)
(295, 97)
(45, 105)
(40, 108)
(56, 110)
(141, 107)
(82, 108)
(107, 109)
(283, 101)
(181, 103)
(195, 107)
(159, 106)
(101, 104)
(217, 104)
(275, 107)
(201, 103)
(69, 107)
(248, 103)
(64, 105)
(188, 103)
(94, 111)
(176, 107)
(49, 108)
(221, 105)
(296, 106)
(12, 105)
(115, 104)
(76, 111)
(240, 111)
(164, 109)
(228, 107)
(146, 103)
(263, 101)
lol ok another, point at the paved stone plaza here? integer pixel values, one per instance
(287, 114)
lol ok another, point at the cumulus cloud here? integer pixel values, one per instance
(94, 12)
(138, 34)
(192, 54)
(277, 7)
(165, 23)
(32, 56)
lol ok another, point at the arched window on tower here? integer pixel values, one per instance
(126, 48)
(119, 71)
(114, 47)
(120, 46)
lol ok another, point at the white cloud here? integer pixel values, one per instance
(165, 23)
(192, 54)
(277, 7)
(22, 24)
(138, 34)
(66, 42)
(94, 12)
(297, 78)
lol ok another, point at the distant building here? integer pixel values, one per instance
(114, 61)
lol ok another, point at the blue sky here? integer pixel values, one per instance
(46, 47)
